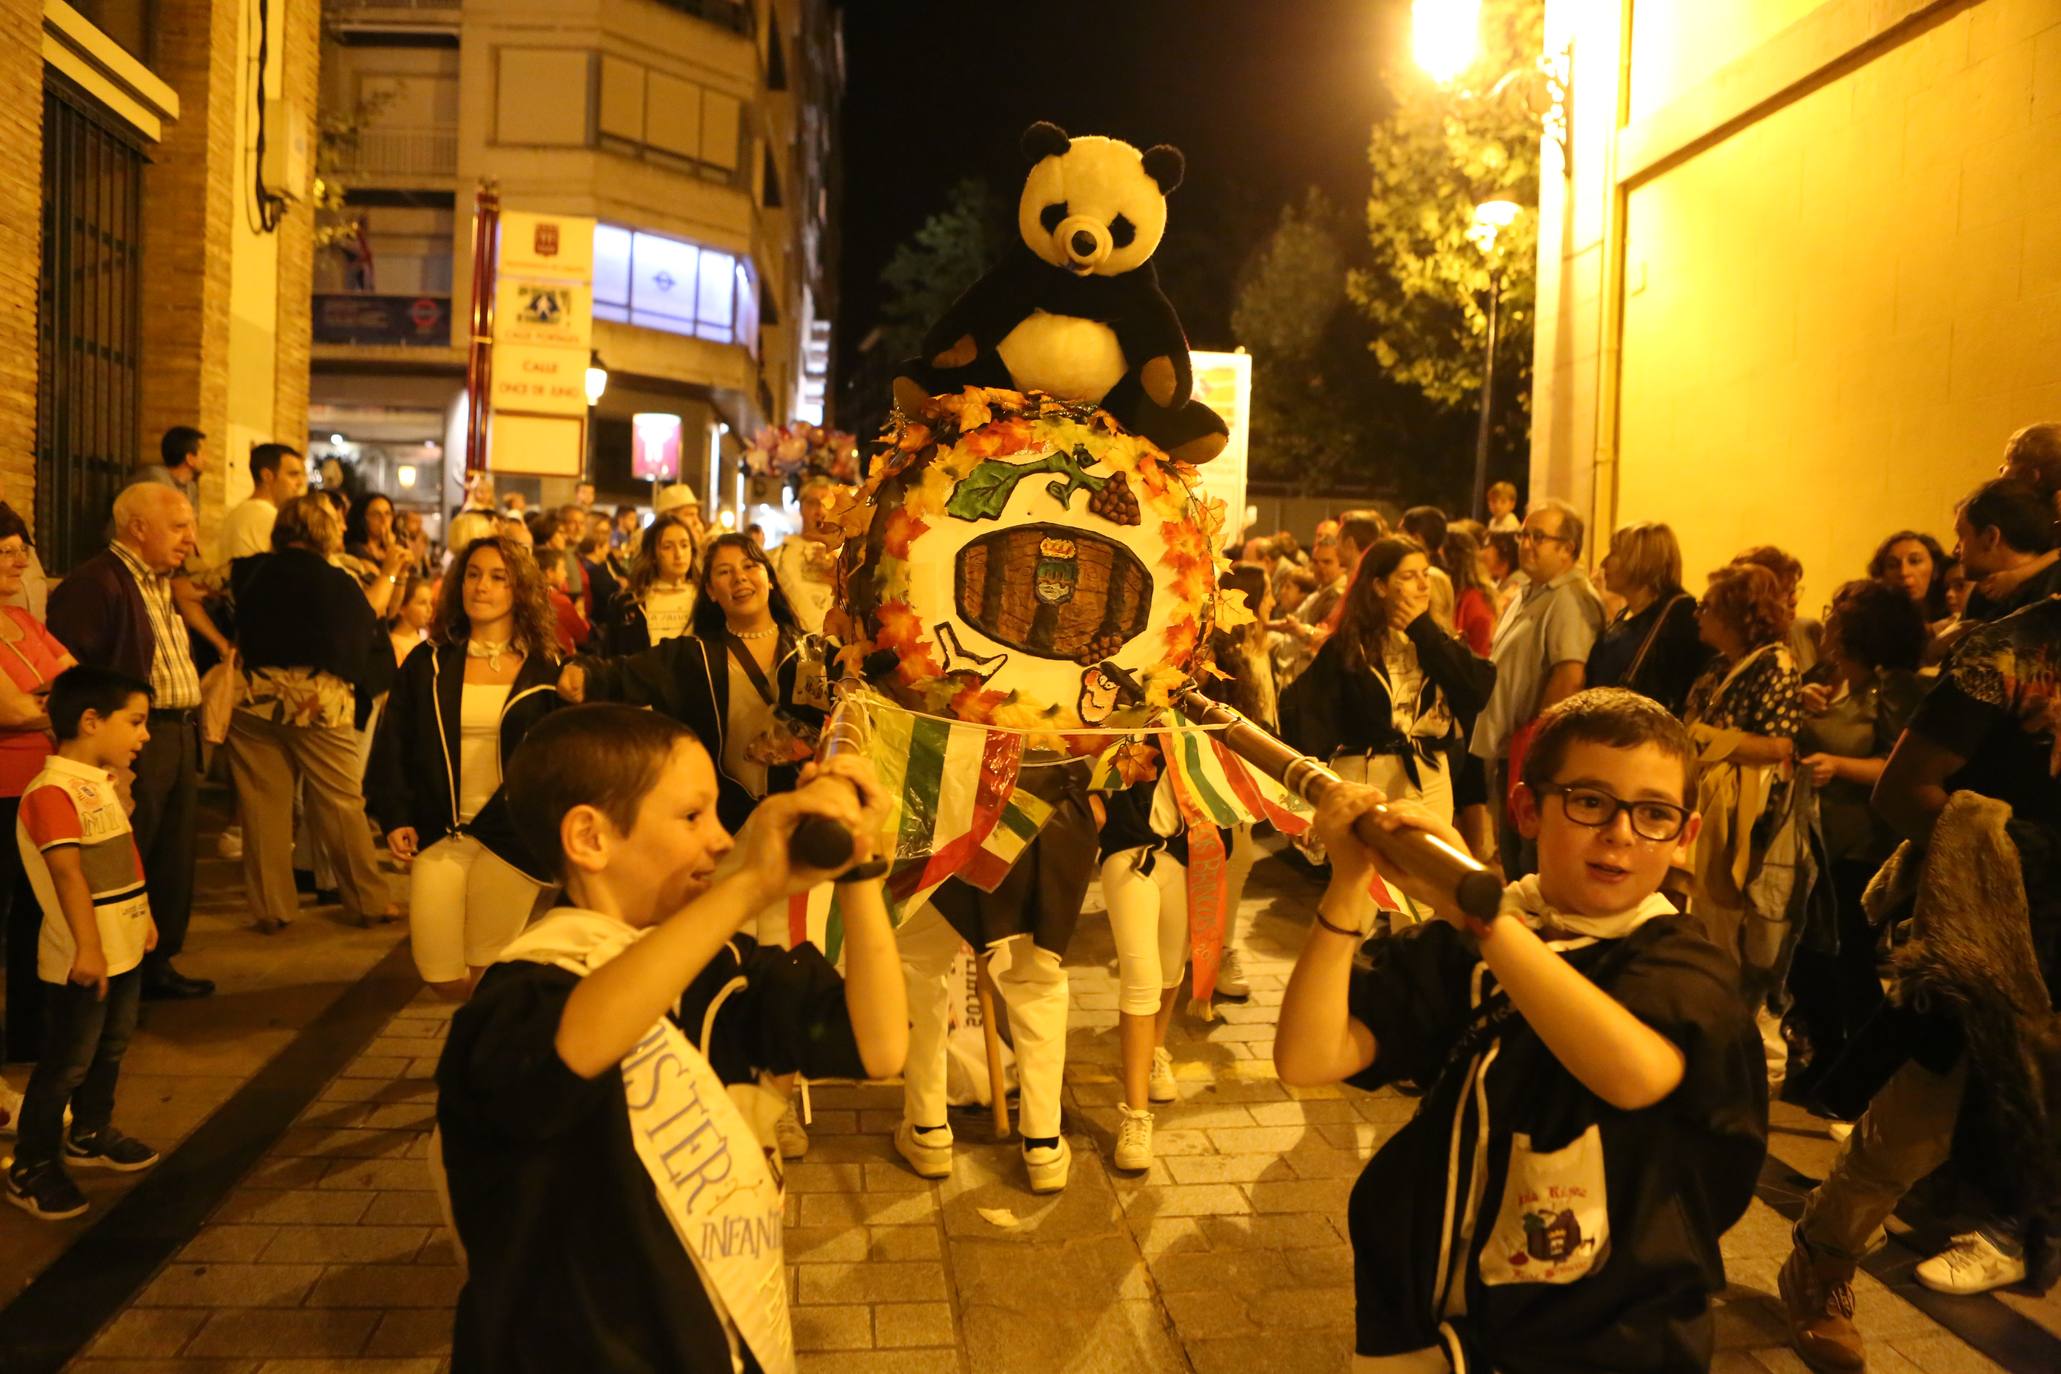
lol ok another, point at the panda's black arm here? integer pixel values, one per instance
(1147, 328)
(985, 312)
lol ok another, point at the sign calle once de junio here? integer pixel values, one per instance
(543, 333)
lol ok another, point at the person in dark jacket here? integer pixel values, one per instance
(1595, 1109)
(1652, 646)
(731, 679)
(1380, 700)
(460, 705)
(313, 659)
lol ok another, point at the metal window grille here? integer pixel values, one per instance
(88, 326)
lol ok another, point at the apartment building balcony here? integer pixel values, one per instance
(389, 156)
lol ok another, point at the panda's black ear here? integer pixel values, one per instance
(1164, 164)
(1042, 140)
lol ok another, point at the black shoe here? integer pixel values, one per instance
(304, 880)
(163, 983)
(108, 1148)
(45, 1191)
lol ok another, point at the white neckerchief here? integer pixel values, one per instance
(1523, 900)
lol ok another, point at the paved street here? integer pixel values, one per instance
(1229, 1255)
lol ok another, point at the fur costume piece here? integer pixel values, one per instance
(1970, 954)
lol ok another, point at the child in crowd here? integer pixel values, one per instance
(571, 625)
(1502, 507)
(1595, 1102)
(606, 1099)
(73, 832)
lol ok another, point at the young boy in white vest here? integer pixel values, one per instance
(1594, 1111)
(606, 1099)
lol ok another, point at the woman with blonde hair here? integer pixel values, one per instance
(314, 661)
(1652, 646)
(461, 704)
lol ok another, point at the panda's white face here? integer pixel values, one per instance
(1093, 209)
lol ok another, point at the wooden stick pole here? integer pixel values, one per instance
(990, 998)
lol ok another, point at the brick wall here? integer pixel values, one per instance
(21, 226)
(300, 82)
(189, 194)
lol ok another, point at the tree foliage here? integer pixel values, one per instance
(1439, 154)
(949, 252)
(1289, 302)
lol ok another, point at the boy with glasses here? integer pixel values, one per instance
(1595, 1104)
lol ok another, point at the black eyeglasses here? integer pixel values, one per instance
(1532, 536)
(1593, 807)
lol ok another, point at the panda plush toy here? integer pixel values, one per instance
(1076, 311)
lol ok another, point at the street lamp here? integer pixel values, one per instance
(1445, 36)
(1491, 218)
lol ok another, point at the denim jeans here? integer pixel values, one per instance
(84, 1039)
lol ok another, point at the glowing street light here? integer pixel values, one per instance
(1491, 218)
(597, 379)
(1445, 36)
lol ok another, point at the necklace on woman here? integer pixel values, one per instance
(488, 649)
(766, 633)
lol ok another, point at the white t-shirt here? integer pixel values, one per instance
(667, 611)
(75, 805)
(479, 745)
(247, 529)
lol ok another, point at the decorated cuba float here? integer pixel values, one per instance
(1007, 546)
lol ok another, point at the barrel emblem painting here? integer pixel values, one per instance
(1053, 591)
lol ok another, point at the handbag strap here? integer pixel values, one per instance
(1631, 674)
(743, 656)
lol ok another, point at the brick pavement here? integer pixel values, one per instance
(1228, 1255)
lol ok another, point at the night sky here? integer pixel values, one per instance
(1264, 97)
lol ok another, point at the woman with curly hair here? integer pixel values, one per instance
(461, 704)
(1744, 713)
(1915, 564)
(656, 602)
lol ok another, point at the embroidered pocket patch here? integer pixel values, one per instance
(1554, 1223)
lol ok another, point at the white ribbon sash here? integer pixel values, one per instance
(706, 1165)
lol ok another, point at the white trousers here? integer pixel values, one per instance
(464, 904)
(1238, 862)
(1032, 984)
(1148, 917)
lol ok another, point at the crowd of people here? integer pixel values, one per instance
(1616, 752)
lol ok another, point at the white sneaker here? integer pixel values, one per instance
(1231, 976)
(1839, 1130)
(929, 1154)
(789, 1134)
(1048, 1167)
(1161, 1087)
(1134, 1139)
(1972, 1264)
(10, 1109)
(229, 844)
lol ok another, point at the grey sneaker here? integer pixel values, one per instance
(45, 1191)
(108, 1148)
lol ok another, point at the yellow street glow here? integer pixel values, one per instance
(1445, 36)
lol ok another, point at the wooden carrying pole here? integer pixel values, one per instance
(990, 998)
(1463, 884)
